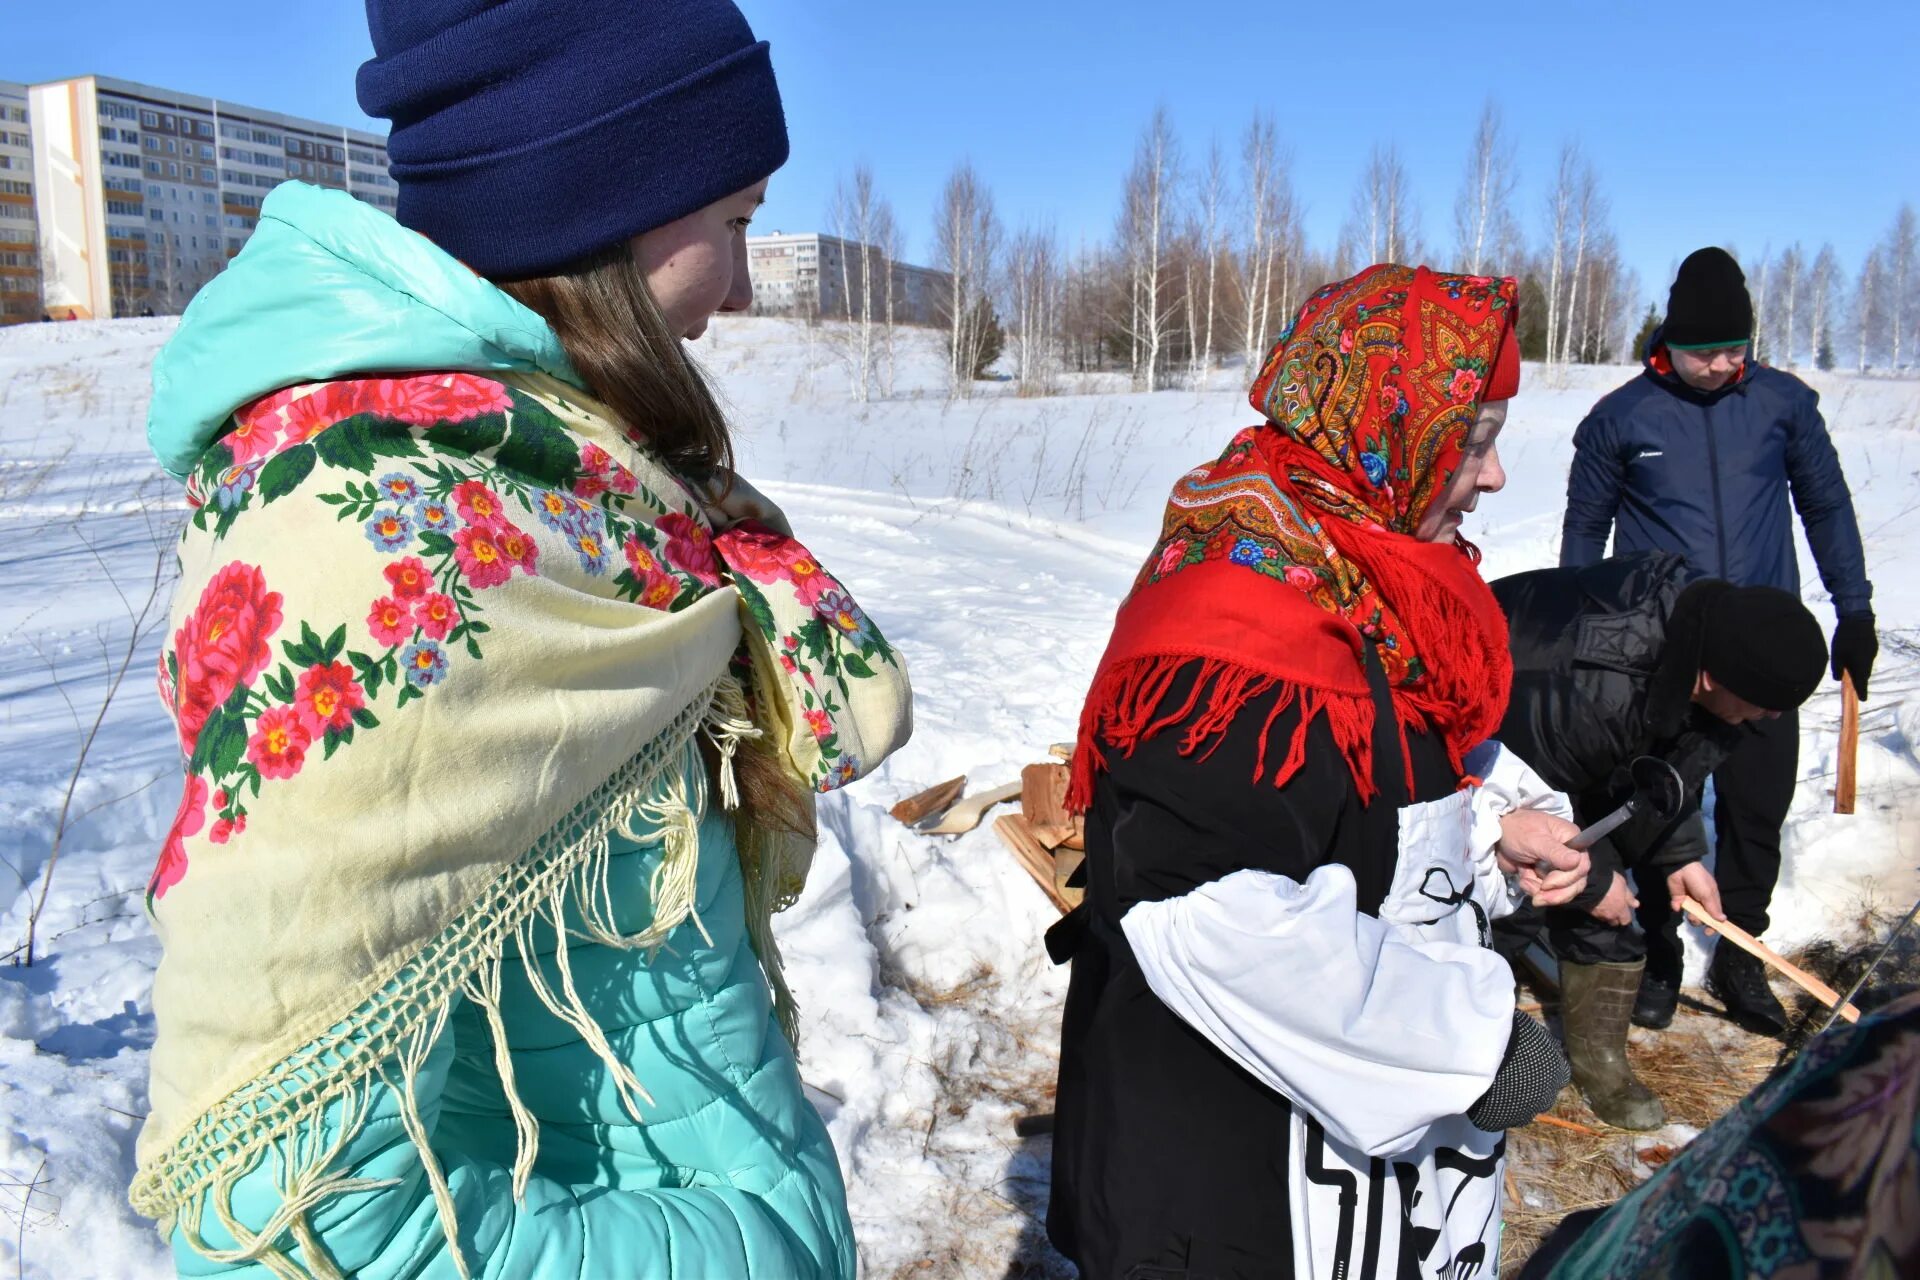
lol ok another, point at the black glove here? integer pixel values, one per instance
(1531, 1076)
(1855, 646)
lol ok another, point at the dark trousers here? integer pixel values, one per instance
(1752, 791)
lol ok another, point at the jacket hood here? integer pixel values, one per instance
(329, 286)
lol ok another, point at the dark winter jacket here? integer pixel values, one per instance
(1591, 692)
(1169, 1159)
(1708, 475)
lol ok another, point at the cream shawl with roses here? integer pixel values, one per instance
(435, 638)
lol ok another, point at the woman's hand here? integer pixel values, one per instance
(1533, 848)
(1618, 906)
(742, 502)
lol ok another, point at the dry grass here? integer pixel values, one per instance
(1700, 1067)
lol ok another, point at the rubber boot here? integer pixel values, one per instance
(1596, 1001)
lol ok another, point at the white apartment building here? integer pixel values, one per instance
(19, 235)
(143, 194)
(812, 274)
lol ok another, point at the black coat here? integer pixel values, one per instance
(1169, 1159)
(1596, 683)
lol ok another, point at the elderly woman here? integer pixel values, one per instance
(1287, 1048)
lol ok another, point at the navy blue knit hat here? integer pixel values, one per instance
(528, 134)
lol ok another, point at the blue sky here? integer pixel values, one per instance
(1752, 124)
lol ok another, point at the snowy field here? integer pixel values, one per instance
(990, 539)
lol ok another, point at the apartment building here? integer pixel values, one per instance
(19, 239)
(142, 194)
(818, 275)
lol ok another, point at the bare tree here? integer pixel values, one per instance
(1759, 282)
(1033, 293)
(1822, 279)
(1868, 304)
(966, 243)
(858, 217)
(1270, 215)
(1589, 209)
(1384, 221)
(1903, 243)
(1145, 232)
(1788, 271)
(1482, 217)
(892, 246)
(1210, 201)
(1561, 200)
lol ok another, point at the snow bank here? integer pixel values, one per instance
(990, 538)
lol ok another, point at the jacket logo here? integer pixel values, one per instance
(1650, 453)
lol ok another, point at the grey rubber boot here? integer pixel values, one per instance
(1596, 1001)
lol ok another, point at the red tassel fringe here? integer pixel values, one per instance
(1123, 709)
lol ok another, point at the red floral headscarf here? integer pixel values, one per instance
(1280, 559)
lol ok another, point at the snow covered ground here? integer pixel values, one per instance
(990, 538)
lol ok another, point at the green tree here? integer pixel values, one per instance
(1823, 359)
(1647, 326)
(988, 339)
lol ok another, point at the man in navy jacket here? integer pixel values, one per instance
(1699, 456)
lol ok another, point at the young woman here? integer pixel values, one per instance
(1288, 1050)
(502, 700)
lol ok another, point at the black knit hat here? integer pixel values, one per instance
(1758, 643)
(1708, 305)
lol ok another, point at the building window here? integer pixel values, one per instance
(150, 119)
(173, 170)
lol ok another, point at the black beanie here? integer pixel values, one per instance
(1758, 643)
(1708, 305)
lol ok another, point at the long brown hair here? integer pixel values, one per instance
(617, 337)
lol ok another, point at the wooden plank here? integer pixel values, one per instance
(1015, 832)
(1754, 947)
(1065, 862)
(1843, 773)
(935, 799)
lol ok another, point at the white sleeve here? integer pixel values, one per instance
(1507, 784)
(1375, 1036)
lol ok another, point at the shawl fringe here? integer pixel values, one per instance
(1126, 707)
(279, 1119)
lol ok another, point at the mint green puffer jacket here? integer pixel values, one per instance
(732, 1173)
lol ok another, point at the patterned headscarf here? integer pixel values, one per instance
(1278, 559)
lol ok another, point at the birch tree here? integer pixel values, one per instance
(1868, 302)
(1209, 203)
(857, 217)
(1145, 231)
(1788, 272)
(1033, 293)
(1384, 221)
(1822, 279)
(1269, 214)
(1903, 243)
(1482, 212)
(1561, 199)
(966, 242)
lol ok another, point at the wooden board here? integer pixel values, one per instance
(1017, 834)
(1843, 782)
(935, 799)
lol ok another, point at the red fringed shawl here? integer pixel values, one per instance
(1280, 559)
